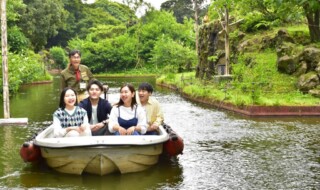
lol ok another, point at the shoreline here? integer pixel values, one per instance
(254, 110)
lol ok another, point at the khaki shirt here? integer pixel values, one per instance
(68, 78)
(154, 112)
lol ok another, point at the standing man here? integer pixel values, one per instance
(97, 108)
(152, 108)
(76, 75)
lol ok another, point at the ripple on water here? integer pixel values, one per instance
(225, 152)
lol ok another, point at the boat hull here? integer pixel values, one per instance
(100, 155)
(102, 160)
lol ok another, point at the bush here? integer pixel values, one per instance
(17, 40)
(58, 55)
(24, 68)
(172, 56)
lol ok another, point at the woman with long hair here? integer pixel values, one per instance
(127, 117)
(69, 119)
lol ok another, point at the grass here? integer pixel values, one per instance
(254, 83)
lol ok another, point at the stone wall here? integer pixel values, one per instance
(304, 64)
(210, 44)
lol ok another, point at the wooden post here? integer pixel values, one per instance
(196, 9)
(6, 105)
(5, 71)
(227, 48)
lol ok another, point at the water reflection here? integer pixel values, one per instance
(161, 175)
(223, 150)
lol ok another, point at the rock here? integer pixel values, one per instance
(315, 92)
(311, 56)
(302, 69)
(308, 81)
(285, 49)
(287, 64)
(318, 68)
(283, 36)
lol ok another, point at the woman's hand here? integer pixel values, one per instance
(153, 127)
(131, 130)
(96, 126)
(82, 128)
(122, 131)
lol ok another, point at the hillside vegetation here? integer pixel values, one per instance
(114, 40)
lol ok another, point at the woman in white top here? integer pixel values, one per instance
(70, 120)
(127, 117)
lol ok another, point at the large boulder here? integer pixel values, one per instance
(285, 49)
(308, 81)
(311, 56)
(287, 64)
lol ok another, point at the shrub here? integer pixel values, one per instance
(172, 56)
(58, 55)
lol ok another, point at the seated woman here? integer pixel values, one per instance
(70, 120)
(127, 117)
(97, 108)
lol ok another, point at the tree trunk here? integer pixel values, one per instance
(6, 105)
(313, 18)
(227, 44)
(196, 9)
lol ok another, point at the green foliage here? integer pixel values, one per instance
(102, 32)
(172, 56)
(58, 55)
(116, 48)
(24, 68)
(41, 20)
(258, 15)
(118, 11)
(252, 74)
(158, 23)
(115, 54)
(14, 10)
(17, 40)
(180, 8)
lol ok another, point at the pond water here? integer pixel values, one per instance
(223, 150)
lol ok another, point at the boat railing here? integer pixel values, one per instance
(46, 139)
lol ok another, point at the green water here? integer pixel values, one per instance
(222, 150)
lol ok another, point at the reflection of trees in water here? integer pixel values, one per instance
(166, 173)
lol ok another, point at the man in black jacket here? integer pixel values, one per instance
(97, 109)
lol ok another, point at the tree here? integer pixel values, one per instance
(75, 11)
(281, 11)
(138, 6)
(312, 13)
(42, 20)
(180, 9)
(185, 8)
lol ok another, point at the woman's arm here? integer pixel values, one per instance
(58, 131)
(113, 120)
(142, 120)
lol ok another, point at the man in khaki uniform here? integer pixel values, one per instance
(76, 75)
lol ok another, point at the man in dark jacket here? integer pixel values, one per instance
(97, 109)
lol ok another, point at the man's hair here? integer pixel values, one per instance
(96, 82)
(146, 86)
(73, 52)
